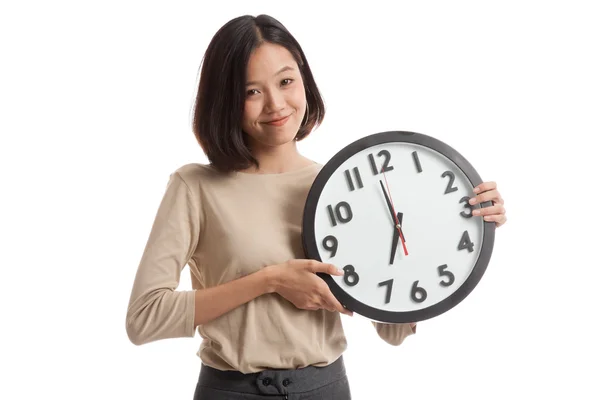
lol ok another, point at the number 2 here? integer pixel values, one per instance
(449, 188)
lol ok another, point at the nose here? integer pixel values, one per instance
(275, 101)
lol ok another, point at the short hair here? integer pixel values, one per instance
(219, 105)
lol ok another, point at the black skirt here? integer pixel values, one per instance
(310, 383)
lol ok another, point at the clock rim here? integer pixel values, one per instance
(309, 242)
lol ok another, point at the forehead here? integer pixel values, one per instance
(267, 60)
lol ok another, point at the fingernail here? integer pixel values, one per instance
(476, 190)
(340, 271)
(473, 200)
(476, 212)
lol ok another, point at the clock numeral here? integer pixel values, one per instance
(465, 242)
(418, 294)
(350, 276)
(337, 215)
(449, 188)
(386, 167)
(467, 206)
(356, 176)
(330, 243)
(443, 273)
(388, 292)
(417, 162)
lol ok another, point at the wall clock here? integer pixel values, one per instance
(391, 210)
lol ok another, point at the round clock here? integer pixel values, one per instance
(391, 210)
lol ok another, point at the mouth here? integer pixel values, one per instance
(278, 122)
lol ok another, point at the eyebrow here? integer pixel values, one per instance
(284, 69)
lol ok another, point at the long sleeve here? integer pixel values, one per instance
(156, 310)
(393, 334)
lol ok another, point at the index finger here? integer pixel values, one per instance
(325, 268)
(485, 186)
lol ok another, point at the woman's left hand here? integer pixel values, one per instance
(488, 191)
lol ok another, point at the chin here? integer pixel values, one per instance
(274, 138)
(277, 141)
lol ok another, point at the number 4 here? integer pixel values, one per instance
(465, 242)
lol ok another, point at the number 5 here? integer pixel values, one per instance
(442, 271)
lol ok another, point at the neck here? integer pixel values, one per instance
(277, 160)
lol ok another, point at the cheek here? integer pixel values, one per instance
(299, 99)
(251, 113)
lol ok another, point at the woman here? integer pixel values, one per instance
(270, 325)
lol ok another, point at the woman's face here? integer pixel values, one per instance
(275, 97)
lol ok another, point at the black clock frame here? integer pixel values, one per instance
(310, 244)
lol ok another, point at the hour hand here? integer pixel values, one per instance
(394, 245)
(395, 238)
(399, 226)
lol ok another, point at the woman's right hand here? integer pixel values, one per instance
(297, 282)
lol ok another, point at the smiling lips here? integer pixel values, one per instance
(278, 122)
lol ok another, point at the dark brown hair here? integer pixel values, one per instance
(219, 106)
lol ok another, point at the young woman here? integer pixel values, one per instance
(270, 326)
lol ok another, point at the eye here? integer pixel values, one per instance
(251, 92)
(288, 80)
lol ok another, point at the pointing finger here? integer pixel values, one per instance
(487, 196)
(484, 187)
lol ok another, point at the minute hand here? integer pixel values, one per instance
(387, 199)
(395, 220)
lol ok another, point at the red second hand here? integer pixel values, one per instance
(395, 214)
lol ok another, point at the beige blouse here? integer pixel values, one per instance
(225, 226)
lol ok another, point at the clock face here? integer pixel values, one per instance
(392, 211)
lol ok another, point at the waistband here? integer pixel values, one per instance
(273, 381)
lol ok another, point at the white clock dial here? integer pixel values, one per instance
(430, 193)
(392, 211)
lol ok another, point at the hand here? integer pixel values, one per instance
(297, 282)
(395, 237)
(389, 204)
(487, 191)
(395, 219)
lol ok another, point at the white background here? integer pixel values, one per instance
(95, 101)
